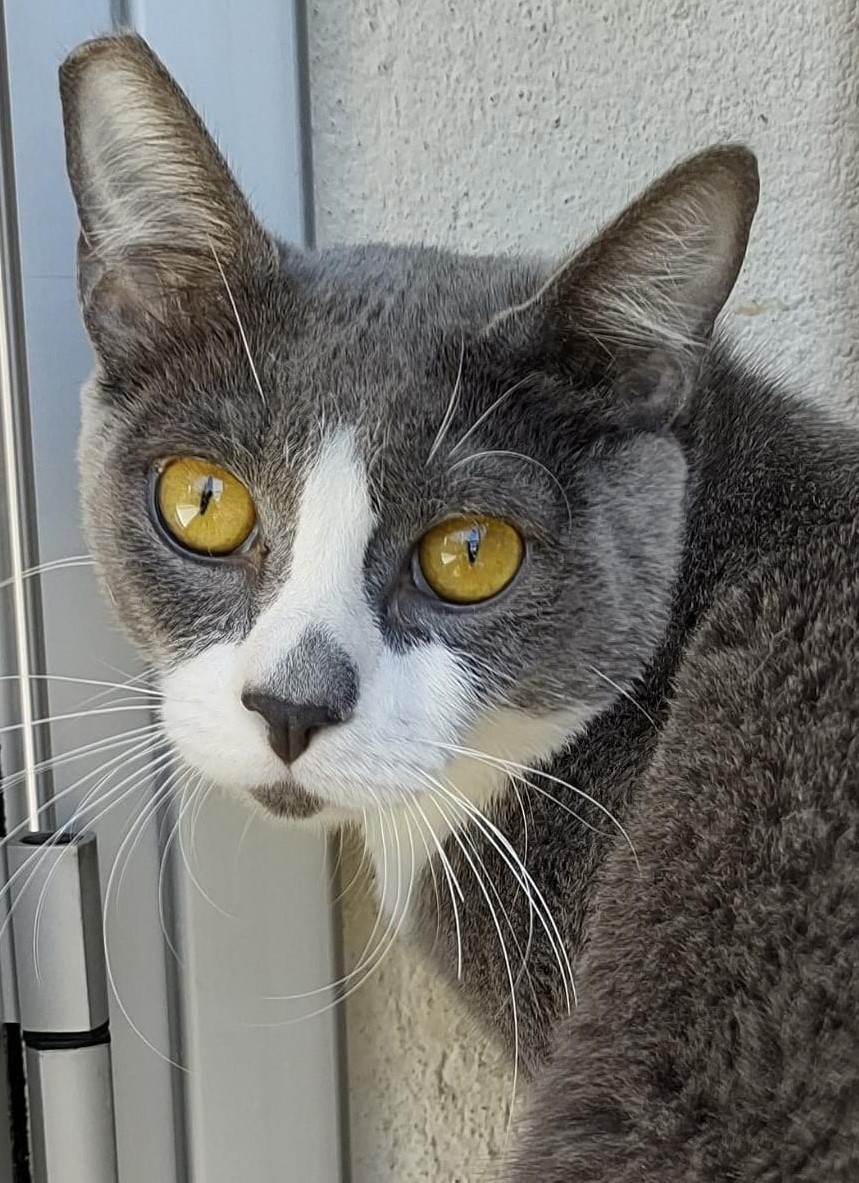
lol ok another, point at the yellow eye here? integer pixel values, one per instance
(469, 559)
(204, 507)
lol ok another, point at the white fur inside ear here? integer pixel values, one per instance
(148, 173)
(659, 275)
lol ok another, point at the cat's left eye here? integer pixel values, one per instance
(466, 560)
(204, 507)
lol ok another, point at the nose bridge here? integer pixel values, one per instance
(316, 670)
(319, 615)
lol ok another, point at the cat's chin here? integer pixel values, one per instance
(288, 800)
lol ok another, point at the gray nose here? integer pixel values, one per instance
(291, 725)
(316, 686)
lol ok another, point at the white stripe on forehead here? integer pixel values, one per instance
(325, 585)
(335, 519)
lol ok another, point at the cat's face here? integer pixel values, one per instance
(374, 512)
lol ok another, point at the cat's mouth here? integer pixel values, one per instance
(288, 800)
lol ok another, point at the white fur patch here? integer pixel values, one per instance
(407, 702)
(405, 838)
(398, 764)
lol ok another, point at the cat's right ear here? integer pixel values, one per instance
(163, 222)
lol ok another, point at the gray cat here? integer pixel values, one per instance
(516, 568)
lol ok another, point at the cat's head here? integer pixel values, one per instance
(373, 511)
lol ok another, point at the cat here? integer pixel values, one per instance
(520, 568)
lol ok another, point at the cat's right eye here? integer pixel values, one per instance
(203, 507)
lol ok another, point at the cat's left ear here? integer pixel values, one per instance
(163, 222)
(633, 313)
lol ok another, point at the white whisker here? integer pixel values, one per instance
(503, 764)
(504, 953)
(511, 455)
(94, 748)
(241, 327)
(65, 718)
(452, 882)
(148, 810)
(526, 882)
(447, 418)
(482, 418)
(77, 817)
(52, 565)
(625, 694)
(189, 870)
(383, 948)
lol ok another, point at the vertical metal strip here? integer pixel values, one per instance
(21, 535)
(120, 14)
(305, 130)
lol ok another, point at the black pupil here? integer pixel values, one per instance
(207, 493)
(473, 544)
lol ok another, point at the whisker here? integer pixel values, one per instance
(511, 455)
(452, 881)
(482, 418)
(148, 810)
(186, 861)
(56, 837)
(77, 816)
(384, 946)
(52, 565)
(367, 953)
(200, 798)
(171, 771)
(356, 875)
(626, 695)
(24, 826)
(523, 970)
(65, 718)
(407, 804)
(503, 763)
(80, 682)
(332, 877)
(504, 953)
(526, 882)
(94, 748)
(447, 418)
(239, 847)
(165, 856)
(241, 327)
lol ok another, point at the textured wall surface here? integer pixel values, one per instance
(428, 1096)
(496, 124)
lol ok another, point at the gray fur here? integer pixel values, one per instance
(691, 585)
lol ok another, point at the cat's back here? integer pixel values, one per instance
(719, 1019)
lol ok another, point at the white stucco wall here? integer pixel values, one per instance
(495, 124)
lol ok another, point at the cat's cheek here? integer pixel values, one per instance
(412, 711)
(209, 727)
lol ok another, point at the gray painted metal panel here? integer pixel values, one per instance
(79, 641)
(256, 1102)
